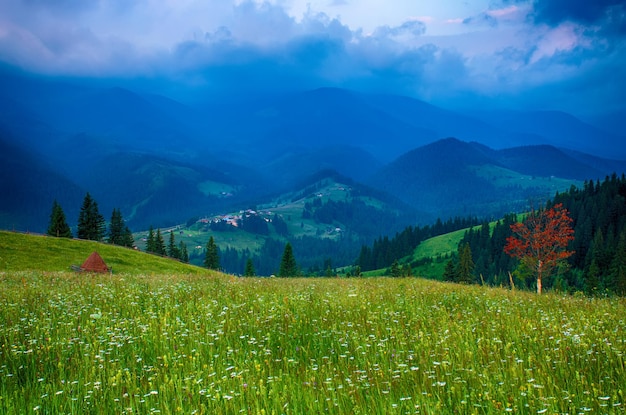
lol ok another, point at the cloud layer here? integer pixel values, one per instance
(546, 54)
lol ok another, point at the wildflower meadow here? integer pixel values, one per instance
(182, 344)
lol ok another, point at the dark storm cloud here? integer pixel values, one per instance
(583, 11)
(609, 14)
(525, 51)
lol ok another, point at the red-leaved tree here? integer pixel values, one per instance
(540, 242)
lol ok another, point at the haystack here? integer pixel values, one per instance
(94, 263)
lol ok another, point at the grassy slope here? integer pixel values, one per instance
(441, 245)
(21, 252)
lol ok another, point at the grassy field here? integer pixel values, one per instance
(188, 344)
(22, 252)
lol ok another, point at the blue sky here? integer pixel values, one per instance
(539, 54)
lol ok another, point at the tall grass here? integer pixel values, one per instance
(79, 344)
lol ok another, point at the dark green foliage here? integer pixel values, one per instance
(151, 243)
(288, 265)
(598, 265)
(159, 244)
(172, 249)
(254, 224)
(487, 249)
(356, 215)
(395, 271)
(385, 250)
(184, 255)
(249, 272)
(449, 273)
(618, 266)
(58, 225)
(118, 231)
(280, 226)
(465, 266)
(127, 238)
(212, 258)
(91, 224)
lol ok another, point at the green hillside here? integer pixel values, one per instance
(438, 248)
(22, 252)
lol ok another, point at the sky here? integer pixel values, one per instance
(532, 54)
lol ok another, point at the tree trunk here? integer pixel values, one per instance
(539, 269)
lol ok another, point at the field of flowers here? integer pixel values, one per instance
(77, 344)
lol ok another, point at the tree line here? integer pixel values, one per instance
(91, 224)
(595, 259)
(385, 250)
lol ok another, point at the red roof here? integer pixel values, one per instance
(94, 263)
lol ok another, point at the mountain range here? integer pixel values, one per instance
(163, 161)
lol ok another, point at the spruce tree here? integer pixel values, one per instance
(212, 257)
(395, 271)
(159, 244)
(249, 272)
(449, 272)
(288, 265)
(150, 242)
(91, 224)
(116, 228)
(618, 266)
(127, 238)
(465, 266)
(184, 255)
(172, 249)
(58, 225)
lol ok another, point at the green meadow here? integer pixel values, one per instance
(76, 344)
(199, 343)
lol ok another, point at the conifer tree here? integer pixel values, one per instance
(288, 265)
(58, 225)
(249, 272)
(127, 238)
(449, 272)
(184, 255)
(212, 257)
(91, 224)
(465, 266)
(172, 249)
(618, 266)
(159, 243)
(150, 243)
(395, 270)
(116, 228)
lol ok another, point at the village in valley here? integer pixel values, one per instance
(285, 216)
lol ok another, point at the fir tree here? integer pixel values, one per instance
(618, 266)
(249, 272)
(127, 238)
(288, 265)
(212, 257)
(395, 270)
(449, 272)
(465, 266)
(58, 225)
(184, 255)
(150, 243)
(159, 244)
(91, 224)
(172, 249)
(116, 228)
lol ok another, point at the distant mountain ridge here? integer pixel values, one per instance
(144, 152)
(452, 177)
